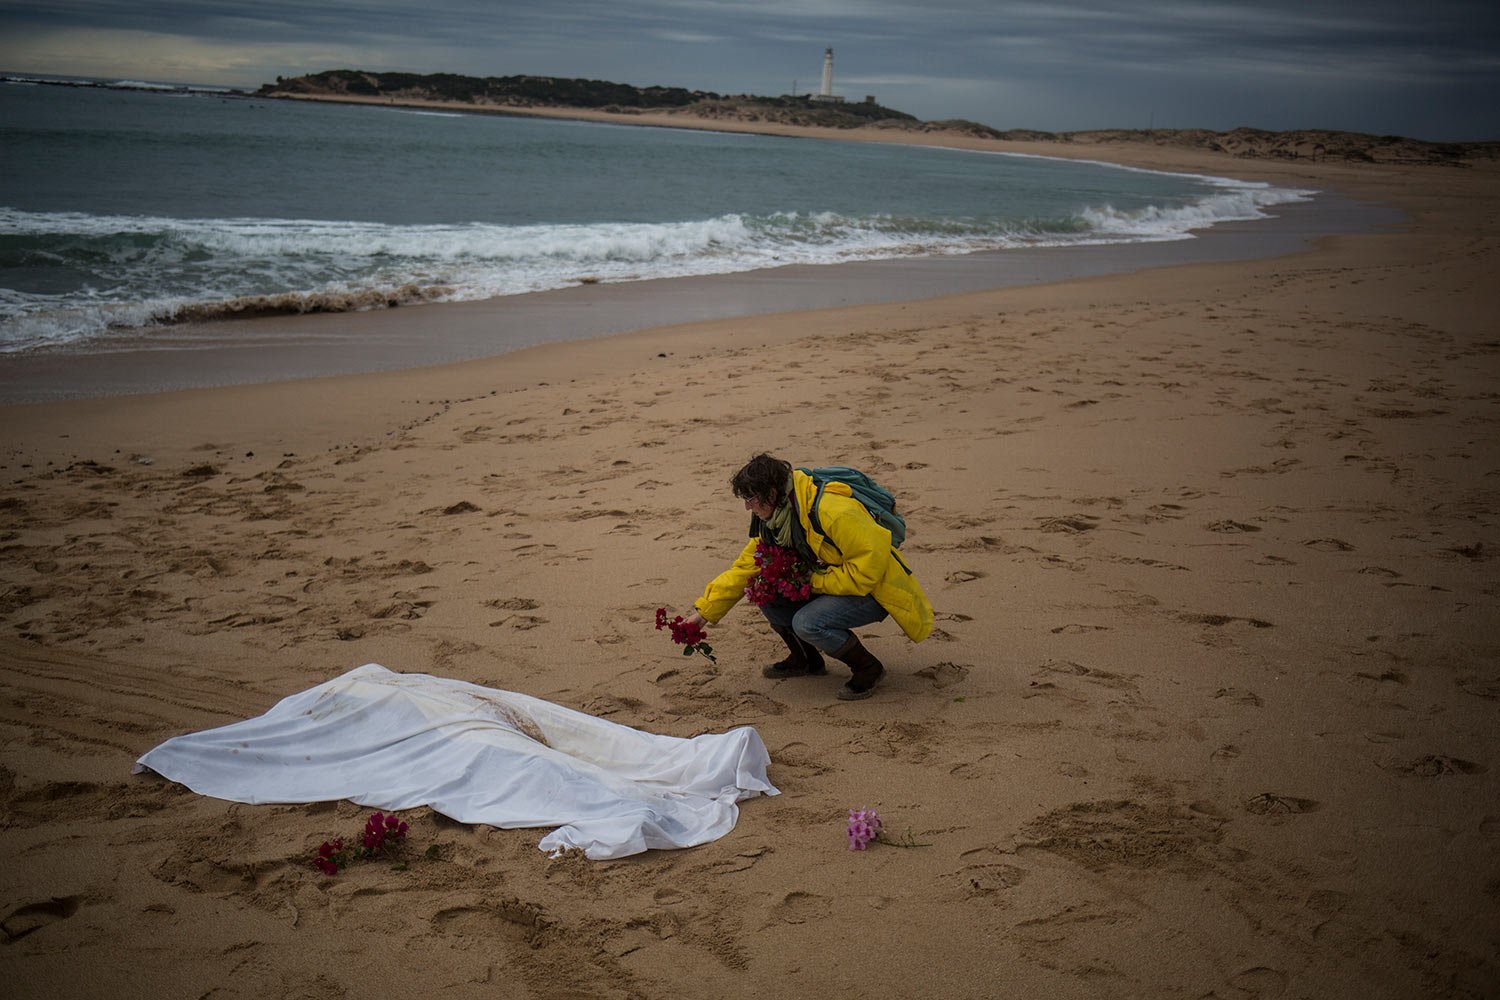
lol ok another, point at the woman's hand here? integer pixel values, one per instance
(695, 619)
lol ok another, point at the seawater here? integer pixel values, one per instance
(125, 210)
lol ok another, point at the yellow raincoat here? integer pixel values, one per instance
(857, 557)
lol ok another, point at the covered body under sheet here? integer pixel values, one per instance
(397, 741)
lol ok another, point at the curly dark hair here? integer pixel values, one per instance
(763, 478)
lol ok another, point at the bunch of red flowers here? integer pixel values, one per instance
(689, 635)
(780, 573)
(331, 857)
(383, 834)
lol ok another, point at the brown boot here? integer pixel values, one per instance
(866, 670)
(804, 660)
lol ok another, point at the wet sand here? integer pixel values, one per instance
(266, 349)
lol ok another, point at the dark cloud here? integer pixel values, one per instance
(1427, 69)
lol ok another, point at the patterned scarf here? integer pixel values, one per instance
(780, 521)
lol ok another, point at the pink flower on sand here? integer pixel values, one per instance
(381, 830)
(383, 835)
(864, 827)
(331, 857)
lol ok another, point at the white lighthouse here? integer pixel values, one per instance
(825, 93)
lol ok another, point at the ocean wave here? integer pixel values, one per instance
(66, 325)
(93, 275)
(299, 303)
(1232, 203)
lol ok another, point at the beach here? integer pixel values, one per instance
(1210, 709)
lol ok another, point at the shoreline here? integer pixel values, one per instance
(283, 348)
(229, 351)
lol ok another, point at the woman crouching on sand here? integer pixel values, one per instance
(816, 573)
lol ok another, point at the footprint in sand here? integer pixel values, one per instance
(1231, 527)
(1217, 620)
(1047, 689)
(34, 916)
(963, 576)
(1329, 544)
(1073, 525)
(512, 920)
(1272, 804)
(740, 862)
(1434, 765)
(1475, 552)
(1261, 982)
(393, 609)
(1239, 695)
(944, 674)
(513, 604)
(1389, 677)
(521, 623)
(1076, 629)
(1480, 688)
(977, 881)
(1092, 675)
(802, 907)
(979, 769)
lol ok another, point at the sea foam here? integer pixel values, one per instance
(139, 271)
(526, 206)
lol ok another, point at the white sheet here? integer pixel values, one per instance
(397, 741)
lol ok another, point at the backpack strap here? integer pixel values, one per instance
(799, 536)
(812, 517)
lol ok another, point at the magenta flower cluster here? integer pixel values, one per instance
(382, 835)
(780, 573)
(382, 832)
(689, 635)
(864, 827)
(331, 857)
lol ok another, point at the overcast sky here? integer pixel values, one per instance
(1427, 69)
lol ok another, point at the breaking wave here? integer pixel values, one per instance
(85, 275)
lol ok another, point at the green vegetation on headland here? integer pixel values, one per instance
(514, 91)
(538, 93)
(698, 108)
(499, 92)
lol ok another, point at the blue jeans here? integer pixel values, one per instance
(825, 620)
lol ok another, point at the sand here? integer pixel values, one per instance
(1210, 711)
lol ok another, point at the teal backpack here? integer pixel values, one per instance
(878, 500)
